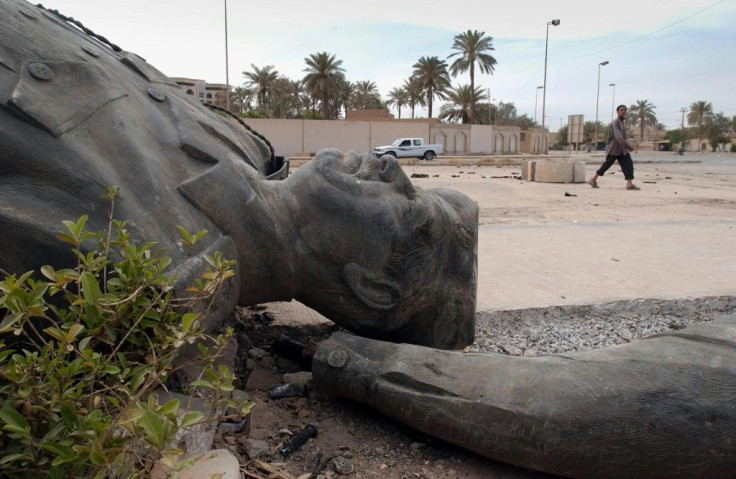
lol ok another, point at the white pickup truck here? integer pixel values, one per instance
(410, 148)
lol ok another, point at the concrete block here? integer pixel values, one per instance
(554, 171)
(578, 174)
(527, 170)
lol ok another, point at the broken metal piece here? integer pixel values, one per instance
(288, 390)
(297, 441)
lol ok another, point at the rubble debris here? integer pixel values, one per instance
(297, 441)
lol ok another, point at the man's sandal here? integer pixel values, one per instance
(633, 187)
(593, 184)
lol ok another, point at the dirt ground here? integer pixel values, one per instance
(352, 440)
(356, 441)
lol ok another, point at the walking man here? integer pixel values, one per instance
(617, 149)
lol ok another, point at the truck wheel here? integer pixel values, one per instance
(391, 153)
(429, 155)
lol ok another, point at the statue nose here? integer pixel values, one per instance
(389, 168)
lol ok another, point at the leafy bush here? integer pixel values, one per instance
(84, 349)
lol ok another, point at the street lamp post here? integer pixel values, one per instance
(613, 100)
(490, 108)
(536, 97)
(554, 23)
(227, 74)
(597, 97)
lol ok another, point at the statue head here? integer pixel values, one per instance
(384, 258)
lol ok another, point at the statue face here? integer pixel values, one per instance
(352, 205)
(388, 260)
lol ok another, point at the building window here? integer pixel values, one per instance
(523, 136)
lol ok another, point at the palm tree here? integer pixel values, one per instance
(322, 80)
(462, 99)
(343, 100)
(432, 75)
(366, 95)
(240, 98)
(590, 128)
(414, 93)
(642, 115)
(472, 47)
(262, 81)
(701, 113)
(399, 97)
(284, 100)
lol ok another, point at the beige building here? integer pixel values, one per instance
(531, 141)
(205, 92)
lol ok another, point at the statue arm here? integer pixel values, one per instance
(556, 414)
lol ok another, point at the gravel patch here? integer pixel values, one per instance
(563, 329)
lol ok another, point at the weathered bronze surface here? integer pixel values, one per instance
(347, 234)
(660, 407)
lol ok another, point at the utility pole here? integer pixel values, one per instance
(490, 109)
(597, 97)
(227, 74)
(682, 121)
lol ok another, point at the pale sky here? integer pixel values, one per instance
(668, 52)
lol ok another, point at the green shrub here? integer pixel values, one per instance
(83, 350)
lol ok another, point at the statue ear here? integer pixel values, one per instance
(376, 293)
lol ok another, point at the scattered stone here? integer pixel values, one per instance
(419, 175)
(255, 448)
(626, 334)
(301, 378)
(218, 463)
(569, 194)
(343, 465)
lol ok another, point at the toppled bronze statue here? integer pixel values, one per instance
(347, 235)
(660, 407)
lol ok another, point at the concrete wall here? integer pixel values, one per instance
(340, 134)
(300, 137)
(286, 136)
(481, 139)
(385, 132)
(533, 142)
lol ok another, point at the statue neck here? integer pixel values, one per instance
(267, 260)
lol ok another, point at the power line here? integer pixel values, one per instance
(647, 34)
